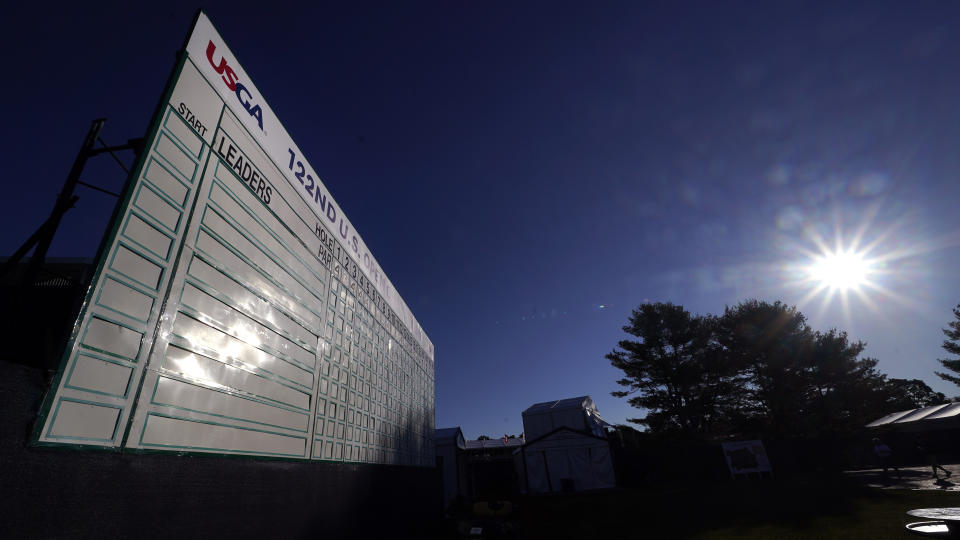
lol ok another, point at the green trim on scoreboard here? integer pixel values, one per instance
(223, 213)
(102, 317)
(56, 411)
(103, 358)
(287, 408)
(102, 250)
(146, 179)
(104, 306)
(223, 450)
(147, 185)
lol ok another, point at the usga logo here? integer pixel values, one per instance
(230, 79)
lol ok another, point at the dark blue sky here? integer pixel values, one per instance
(526, 175)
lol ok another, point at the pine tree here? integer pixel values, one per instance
(952, 346)
(675, 370)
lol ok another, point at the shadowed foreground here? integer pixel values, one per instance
(829, 507)
(64, 493)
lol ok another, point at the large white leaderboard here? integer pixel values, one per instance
(235, 309)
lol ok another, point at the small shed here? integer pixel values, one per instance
(566, 448)
(450, 448)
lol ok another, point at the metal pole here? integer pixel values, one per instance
(65, 201)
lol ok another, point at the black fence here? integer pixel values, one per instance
(641, 460)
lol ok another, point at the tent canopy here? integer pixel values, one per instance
(579, 414)
(935, 416)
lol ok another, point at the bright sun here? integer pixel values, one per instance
(841, 270)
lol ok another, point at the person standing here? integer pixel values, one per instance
(924, 449)
(885, 455)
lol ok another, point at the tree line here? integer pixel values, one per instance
(757, 370)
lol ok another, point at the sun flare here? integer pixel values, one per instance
(841, 270)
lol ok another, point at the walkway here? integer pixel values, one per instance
(910, 478)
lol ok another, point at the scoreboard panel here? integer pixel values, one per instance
(235, 308)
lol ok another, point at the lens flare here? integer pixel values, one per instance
(841, 270)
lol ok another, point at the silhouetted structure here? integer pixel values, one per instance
(452, 462)
(38, 314)
(566, 449)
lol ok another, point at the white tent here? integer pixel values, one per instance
(578, 414)
(944, 416)
(566, 449)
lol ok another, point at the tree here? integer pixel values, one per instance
(846, 389)
(904, 394)
(952, 346)
(800, 382)
(676, 370)
(757, 370)
(766, 344)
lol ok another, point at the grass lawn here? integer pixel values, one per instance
(768, 509)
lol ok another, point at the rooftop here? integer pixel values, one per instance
(495, 443)
(582, 402)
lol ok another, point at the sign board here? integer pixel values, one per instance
(235, 308)
(744, 457)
